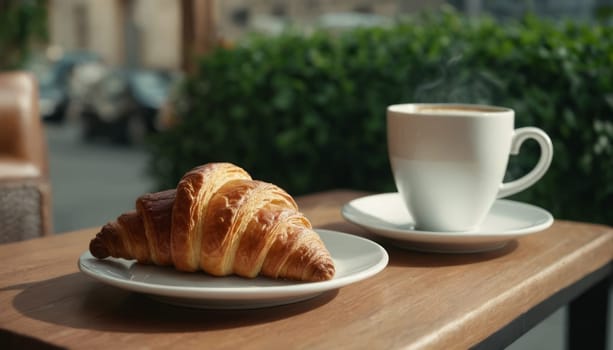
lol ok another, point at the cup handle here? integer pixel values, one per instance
(519, 136)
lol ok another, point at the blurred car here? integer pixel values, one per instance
(83, 77)
(124, 103)
(53, 78)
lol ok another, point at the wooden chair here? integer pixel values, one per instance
(25, 190)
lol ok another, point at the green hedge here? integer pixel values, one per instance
(308, 111)
(23, 26)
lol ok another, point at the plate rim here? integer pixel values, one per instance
(240, 293)
(443, 237)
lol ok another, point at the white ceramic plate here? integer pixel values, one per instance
(355, 259)
(386, 215)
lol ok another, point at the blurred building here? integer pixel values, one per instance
(163, 34)
(125, 32)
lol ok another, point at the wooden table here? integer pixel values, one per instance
(419, 301)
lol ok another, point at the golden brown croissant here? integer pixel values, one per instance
(220, 221)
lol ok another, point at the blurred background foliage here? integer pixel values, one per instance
(23, 26)
(307, 111)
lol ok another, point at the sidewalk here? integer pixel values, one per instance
(92, 183)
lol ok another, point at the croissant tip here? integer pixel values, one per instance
(325, 275)
(97, 247)
(324, 272)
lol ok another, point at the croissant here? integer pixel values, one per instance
(222, 222)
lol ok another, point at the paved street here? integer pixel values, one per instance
(92, 183)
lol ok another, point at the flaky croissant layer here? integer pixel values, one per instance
(220, 221)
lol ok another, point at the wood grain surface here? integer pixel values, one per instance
(419, 301)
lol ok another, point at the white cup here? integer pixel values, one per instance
(449, 161)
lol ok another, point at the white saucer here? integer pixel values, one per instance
(355, 258)
(386, 215)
